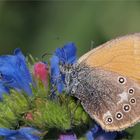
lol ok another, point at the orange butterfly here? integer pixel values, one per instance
(108, 83)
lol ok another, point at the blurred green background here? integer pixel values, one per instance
(41, 26)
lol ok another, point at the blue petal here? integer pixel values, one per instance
(24, 74)
(23, 66)
(25, 133)
(55, 72)
(98, 132)
(29, 133)
(107, 136)
(15, 73)
(60, 86)
(67, 54)
(7, 132)
(70, 52)
(60, 54)
(89, 135)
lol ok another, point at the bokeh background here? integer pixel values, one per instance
(41, 26)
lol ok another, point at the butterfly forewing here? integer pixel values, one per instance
(121, 55)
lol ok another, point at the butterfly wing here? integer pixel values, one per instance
(121, 55)
(110, 99)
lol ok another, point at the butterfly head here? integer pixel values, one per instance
(65, 68)
(70, 75)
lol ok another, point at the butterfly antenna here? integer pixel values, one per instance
(92, 44)
(46, 54)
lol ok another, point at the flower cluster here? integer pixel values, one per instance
(14, 73)
(36, 111)
(65, 55)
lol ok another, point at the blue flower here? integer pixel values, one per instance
(14, 72)
(55, 74)
(98, 133)
(66, 55)
(25, 133)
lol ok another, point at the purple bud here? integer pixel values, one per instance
(67, 136)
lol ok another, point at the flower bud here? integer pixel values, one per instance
(41, 72)
(29, 116)
(68, 136)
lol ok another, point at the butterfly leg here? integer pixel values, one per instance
(53, 92)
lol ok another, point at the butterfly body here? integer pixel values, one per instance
(107, 82)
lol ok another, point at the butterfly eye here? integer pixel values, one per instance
(109, 120)
(131, 91)
(91, 93)
(73, 74)
(121, 80)
(126, 108)
(73, 91)
(132, 101)
(119, 115)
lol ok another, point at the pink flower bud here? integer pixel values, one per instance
(41, 71)
(29, 116)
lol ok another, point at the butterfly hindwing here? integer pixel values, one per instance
(105, 95)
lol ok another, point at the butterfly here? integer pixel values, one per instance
(107, 82)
